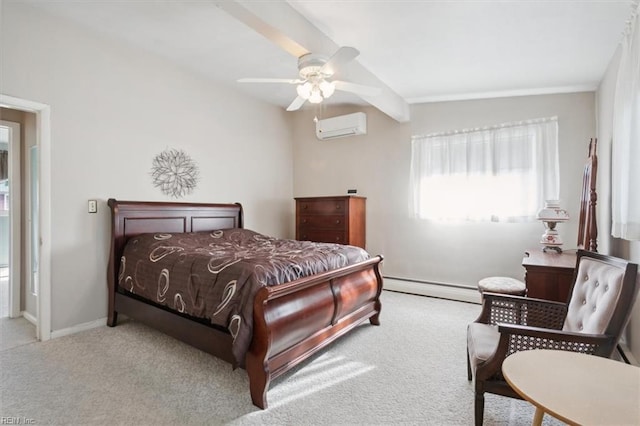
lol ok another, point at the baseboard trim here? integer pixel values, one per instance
(33, 320)
(78, 328)
(458, 293)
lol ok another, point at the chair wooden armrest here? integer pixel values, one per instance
(522, 337)
(507, 309)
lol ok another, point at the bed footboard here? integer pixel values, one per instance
(294, 320)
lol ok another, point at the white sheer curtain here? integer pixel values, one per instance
(498, 173)
(625, 157)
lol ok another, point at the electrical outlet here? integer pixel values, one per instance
(352, 191)
(93, 206)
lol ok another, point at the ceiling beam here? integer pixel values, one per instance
(284, 26)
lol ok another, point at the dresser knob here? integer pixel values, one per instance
(337, 238)
(337, 206)
(337, 221)
(304, 220)
(304, 206)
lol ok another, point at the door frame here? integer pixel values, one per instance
(43, 130)
(15, 217)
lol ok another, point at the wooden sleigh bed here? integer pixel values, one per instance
(291, 321)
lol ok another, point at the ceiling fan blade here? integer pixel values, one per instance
(341, 57)
(296, 104)
(358, 89)
(270, 80)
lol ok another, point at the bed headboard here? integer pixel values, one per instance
(131, 218)
(587, 226)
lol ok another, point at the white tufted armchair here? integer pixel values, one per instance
(602, 297)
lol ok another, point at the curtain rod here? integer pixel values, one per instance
(628, 25)
(485, 128)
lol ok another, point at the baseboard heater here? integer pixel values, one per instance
(460, 293)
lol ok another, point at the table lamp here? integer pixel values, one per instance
(550, 215)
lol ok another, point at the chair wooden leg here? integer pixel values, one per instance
(479, 408)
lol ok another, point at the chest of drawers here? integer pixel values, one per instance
(339, 219)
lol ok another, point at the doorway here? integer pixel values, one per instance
(16, 326)
(35, 269)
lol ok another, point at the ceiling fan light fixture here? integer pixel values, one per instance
(304, 90)
(313, 85)
(327, 88)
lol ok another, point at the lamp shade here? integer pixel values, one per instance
(327, 88)
(316, 96)
(551, 212)
(304, 90)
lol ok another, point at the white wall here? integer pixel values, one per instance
(615, 246)
(378, 166)
(113, 109)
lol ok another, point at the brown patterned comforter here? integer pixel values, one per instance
(216, 275)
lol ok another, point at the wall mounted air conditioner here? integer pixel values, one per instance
(341, 126)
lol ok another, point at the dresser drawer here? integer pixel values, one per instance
(322, 207)
(322, 236)
(324, 222)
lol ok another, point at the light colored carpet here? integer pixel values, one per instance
(16, 332)
(410, 370)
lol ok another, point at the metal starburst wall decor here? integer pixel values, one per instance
(174, 172)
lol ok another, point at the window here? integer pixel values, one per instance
(499, 173)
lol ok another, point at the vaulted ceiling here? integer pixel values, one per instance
(415, 51)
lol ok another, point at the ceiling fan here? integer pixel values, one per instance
(315, 84)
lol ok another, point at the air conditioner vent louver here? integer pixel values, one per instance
(342, 126)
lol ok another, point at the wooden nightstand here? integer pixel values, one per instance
(549, 275)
